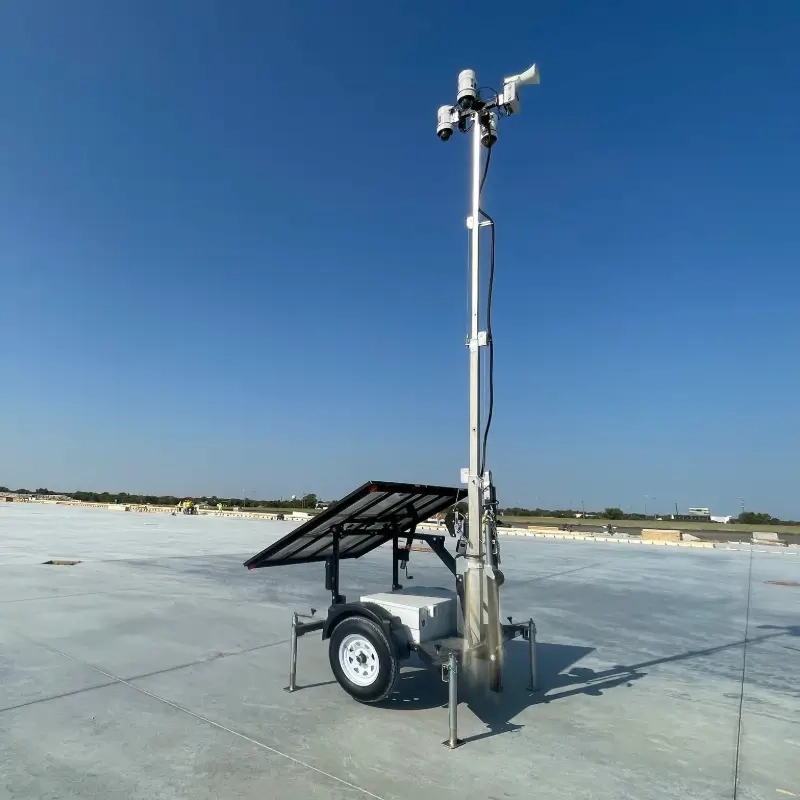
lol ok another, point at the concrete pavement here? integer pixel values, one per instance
(155, 669)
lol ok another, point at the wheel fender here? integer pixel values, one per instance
(379, 615)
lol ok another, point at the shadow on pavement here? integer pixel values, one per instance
(421, 688)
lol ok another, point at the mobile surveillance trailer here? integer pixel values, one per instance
(369, 638)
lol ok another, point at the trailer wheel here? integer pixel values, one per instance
(363, 660)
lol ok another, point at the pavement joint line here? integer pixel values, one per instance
(88, 563)
(133, 677)
(57, 696)
(744, 546)
(115, 679)
(144, 592)
(60, 596)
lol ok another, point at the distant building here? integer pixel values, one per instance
(699, 512)
(702, 515)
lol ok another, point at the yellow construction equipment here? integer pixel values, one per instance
(187, 506)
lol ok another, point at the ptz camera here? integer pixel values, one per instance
(445, 126)
(467, 89)
(488, 129)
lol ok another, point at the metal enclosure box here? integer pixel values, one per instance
(426, 613)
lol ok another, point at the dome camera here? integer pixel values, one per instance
(445, 126)
(467, 89)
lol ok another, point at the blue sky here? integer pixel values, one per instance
(233, 259)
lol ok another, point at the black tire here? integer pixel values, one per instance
(384, 663)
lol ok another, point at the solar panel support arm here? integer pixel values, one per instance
(400, 556)
(332, 570)
(436, 543)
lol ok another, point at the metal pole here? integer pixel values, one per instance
(293, 656)
(473, 614)
(534, 687)
(452, 677)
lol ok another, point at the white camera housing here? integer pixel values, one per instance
(467, 89)
(489, 129)
(445, 125)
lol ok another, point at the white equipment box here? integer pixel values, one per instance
(426, 613)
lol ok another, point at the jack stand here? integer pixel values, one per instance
(292, 655)
(299, 629)
(451, 670)
(531, 637)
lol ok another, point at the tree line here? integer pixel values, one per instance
(125, 498)
(310, 500)
(615, 513)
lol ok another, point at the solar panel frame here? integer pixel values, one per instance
(365, 519)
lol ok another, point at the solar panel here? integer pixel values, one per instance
(365, 519)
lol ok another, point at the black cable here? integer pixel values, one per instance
(493, 91)
(489, 339)
(485, 172)
(490, 346)
(744, 671)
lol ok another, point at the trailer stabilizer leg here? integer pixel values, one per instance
(451, 671)
(300, 628)
(531, 637)
(292, 656)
